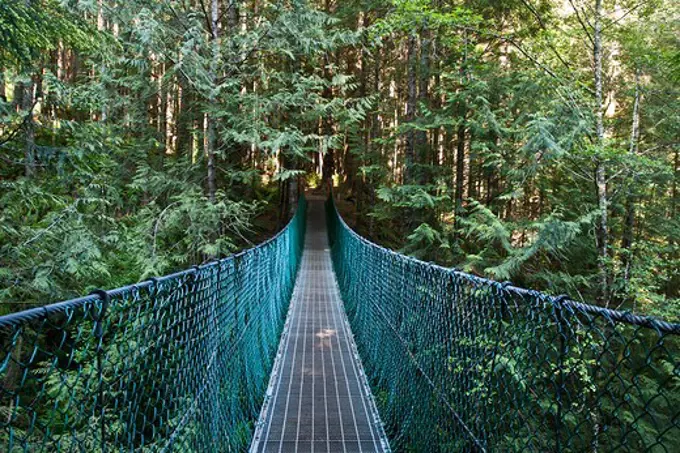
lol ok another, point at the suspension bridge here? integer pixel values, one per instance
(318, 340)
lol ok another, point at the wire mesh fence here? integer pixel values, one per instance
(176, 363)
(460, 363)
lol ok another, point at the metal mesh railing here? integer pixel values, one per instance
(461, 363)
(177, 363)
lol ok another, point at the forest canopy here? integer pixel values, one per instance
(527, 140)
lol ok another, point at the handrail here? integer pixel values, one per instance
(463, 363)
(175, 362)
(32, 314)
(628, 317)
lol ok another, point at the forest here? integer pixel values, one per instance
(531, 141)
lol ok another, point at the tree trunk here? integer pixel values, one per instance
(3, 95)
(101, 25)
(423, 99)
(328, 167)
(671, 286)
(674, 192)
(29, 128)
(409, 152)
(600, 169)
(629, 222)
(293, 193)
(460, 143)
(163, 90)
(283, 193)
(357, 182)
(375, 149)
(212, 138)
(185, 120)
(235, 154)
(460, 158)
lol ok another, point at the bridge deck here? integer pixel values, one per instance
(318, 399)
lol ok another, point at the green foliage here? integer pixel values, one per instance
(118, 195)
(29, 29)
(549, 240)
(81, 229)
(514, 84)
(407, 14)
(460, 362)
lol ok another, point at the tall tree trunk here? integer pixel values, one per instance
(283, 193)
(29, 128)
(233, 15)
(212, 133)
(440, 134)
(460, 157)
(3, 95)
(671, 286)
(629, 222)
(674, 192)
(600, 169)
(357, 182)
(101, 25)
(235, 154)
(375, 149)
(328, 167)
(185, 120)
(423, 99)
(460, 142)
(409, 152)
(293, 193)
(163, 92)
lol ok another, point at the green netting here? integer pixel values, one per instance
(460, 363)
(177, 363)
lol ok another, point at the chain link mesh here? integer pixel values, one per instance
(177, 363)
(460, 363)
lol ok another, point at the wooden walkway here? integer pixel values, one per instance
(318, 399)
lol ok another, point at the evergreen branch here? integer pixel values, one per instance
(207, 17)
(157, 225)
(25, 120)
(542, 24)
(582, 23)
